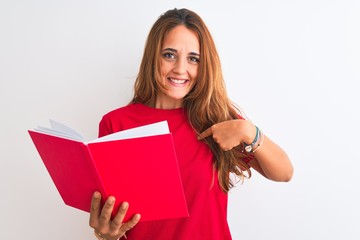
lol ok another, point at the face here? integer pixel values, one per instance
(180, 56)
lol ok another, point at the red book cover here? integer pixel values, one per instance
(137, 165)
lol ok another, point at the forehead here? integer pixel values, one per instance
(182, 38)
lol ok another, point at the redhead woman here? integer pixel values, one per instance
(180, 80)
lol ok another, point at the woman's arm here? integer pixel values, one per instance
(270, 160)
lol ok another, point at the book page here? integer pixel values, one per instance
(66, 130)
(57, 133)
(158, 128)
(61, 130)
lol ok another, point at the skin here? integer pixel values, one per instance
(271, 161)
(179, 68)
(180, 57)
(100, 218)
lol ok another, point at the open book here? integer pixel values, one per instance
(137, 165)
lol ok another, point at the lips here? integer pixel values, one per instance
(178, 82)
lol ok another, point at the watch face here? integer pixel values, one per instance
(248, 148)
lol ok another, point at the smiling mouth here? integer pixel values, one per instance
(178, 81)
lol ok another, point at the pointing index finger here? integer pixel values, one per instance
(208, 132)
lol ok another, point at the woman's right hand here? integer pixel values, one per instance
(100, 219)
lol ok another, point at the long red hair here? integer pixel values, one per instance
(207, 103)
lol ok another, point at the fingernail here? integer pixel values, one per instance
(124, 205)
(111, 200)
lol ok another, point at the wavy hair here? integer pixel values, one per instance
(207, 103)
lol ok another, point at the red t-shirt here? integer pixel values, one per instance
(207, 203)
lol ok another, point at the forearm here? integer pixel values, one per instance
(272, 162)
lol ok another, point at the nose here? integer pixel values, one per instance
(180, 66)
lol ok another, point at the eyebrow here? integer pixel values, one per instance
(175, 51)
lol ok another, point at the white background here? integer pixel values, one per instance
(293, 66)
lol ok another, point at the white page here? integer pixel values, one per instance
(67, 130)
(61, 130)
(158, 128)
(58, 133)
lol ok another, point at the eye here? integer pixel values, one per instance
(169, 55)
(194, 59)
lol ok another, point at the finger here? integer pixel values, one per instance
(95, 209)
(106, 212)
(208, 132)
(118, 219)
(131, 223)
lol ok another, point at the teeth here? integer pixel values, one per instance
(178, 81)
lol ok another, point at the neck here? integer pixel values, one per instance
(162, 103)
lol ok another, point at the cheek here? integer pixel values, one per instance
(194, 72)
(164, 68)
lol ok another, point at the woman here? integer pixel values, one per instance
(180, 80)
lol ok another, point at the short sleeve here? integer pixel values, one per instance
(104, 127)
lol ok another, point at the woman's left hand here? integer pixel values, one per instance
(231, 133)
